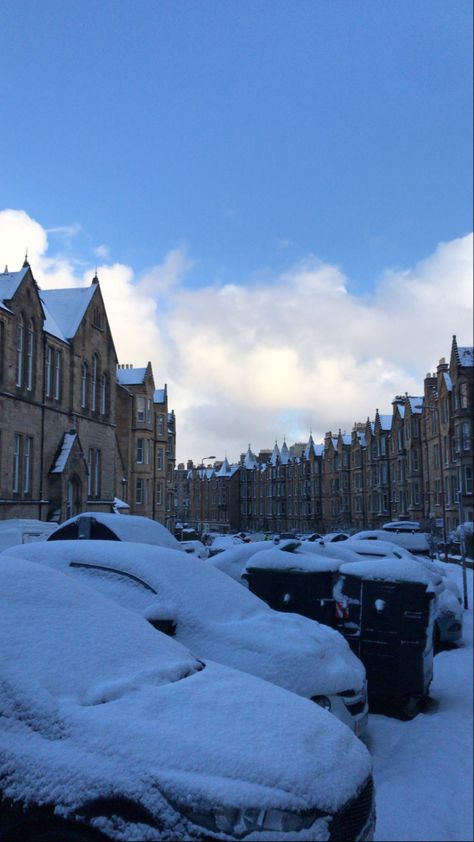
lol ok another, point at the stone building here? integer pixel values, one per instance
(57, 403)
(415, 463)
(74, 434)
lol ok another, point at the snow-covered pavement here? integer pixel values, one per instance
(424, 768)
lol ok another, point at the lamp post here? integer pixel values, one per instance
(202, 489)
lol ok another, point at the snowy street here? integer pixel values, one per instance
(424, 768)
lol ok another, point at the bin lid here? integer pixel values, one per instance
(392, 570)
(294, 562)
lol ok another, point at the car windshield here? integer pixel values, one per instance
(73, 642)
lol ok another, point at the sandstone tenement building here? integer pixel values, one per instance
(415, 463)
(76, 431)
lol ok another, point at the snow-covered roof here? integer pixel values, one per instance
(50, 324)
(64, 453)
(284, 454)
(317, 449)
(159, 395)
(67, 307)
(9, 283)
(130, 376)
(275, 455)
(448, 381)
(250, 460)
(389, 570)
(466, 356)
(224, 469)
(386, 422)
(416, 404)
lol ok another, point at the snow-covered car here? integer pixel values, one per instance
(334, 537)
(412, 540)
(219, 543)
(233, 560)
(110, 730)
(217, 618)
(23, 531)
(105, 526)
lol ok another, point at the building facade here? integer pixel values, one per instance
(415, 463)
(69, 428)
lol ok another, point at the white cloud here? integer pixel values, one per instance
(102, 251)
(276, 357)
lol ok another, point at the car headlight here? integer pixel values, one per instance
(322, 701)
(239, 823)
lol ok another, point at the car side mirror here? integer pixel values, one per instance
(162, 616)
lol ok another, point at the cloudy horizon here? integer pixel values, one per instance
(273, 358)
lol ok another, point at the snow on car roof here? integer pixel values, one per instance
(89, 714)
(301, 560)
(133, 528)
(390, 570)
(233, 560)
(216, 617)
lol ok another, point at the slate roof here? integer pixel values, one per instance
(130, 376)
(67, 308)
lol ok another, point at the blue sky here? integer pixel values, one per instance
(278, 196)
(254, 133)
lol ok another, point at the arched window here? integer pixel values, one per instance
(95, 375)
(104, 394)
(20, 348)
(30, 348)
(84, 385)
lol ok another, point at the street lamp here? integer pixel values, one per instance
(201, 489)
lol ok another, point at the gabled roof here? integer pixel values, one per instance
(386, 422)
(416, 404)
(67, 444)
(284, 454)
(226, 471)
(67, 307)
(159, 395)
(10, 281)
(250, 460)
(275, 455)
(130, 376)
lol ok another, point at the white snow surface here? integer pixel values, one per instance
(424, 768)
(300, 560)
(233, 560)
(216, 617)
(390, 570)
(95, 701)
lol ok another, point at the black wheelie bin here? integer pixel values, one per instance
(385, 609)
(295, 582)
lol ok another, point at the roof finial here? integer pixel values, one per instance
(95, 279)
(25, 262)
